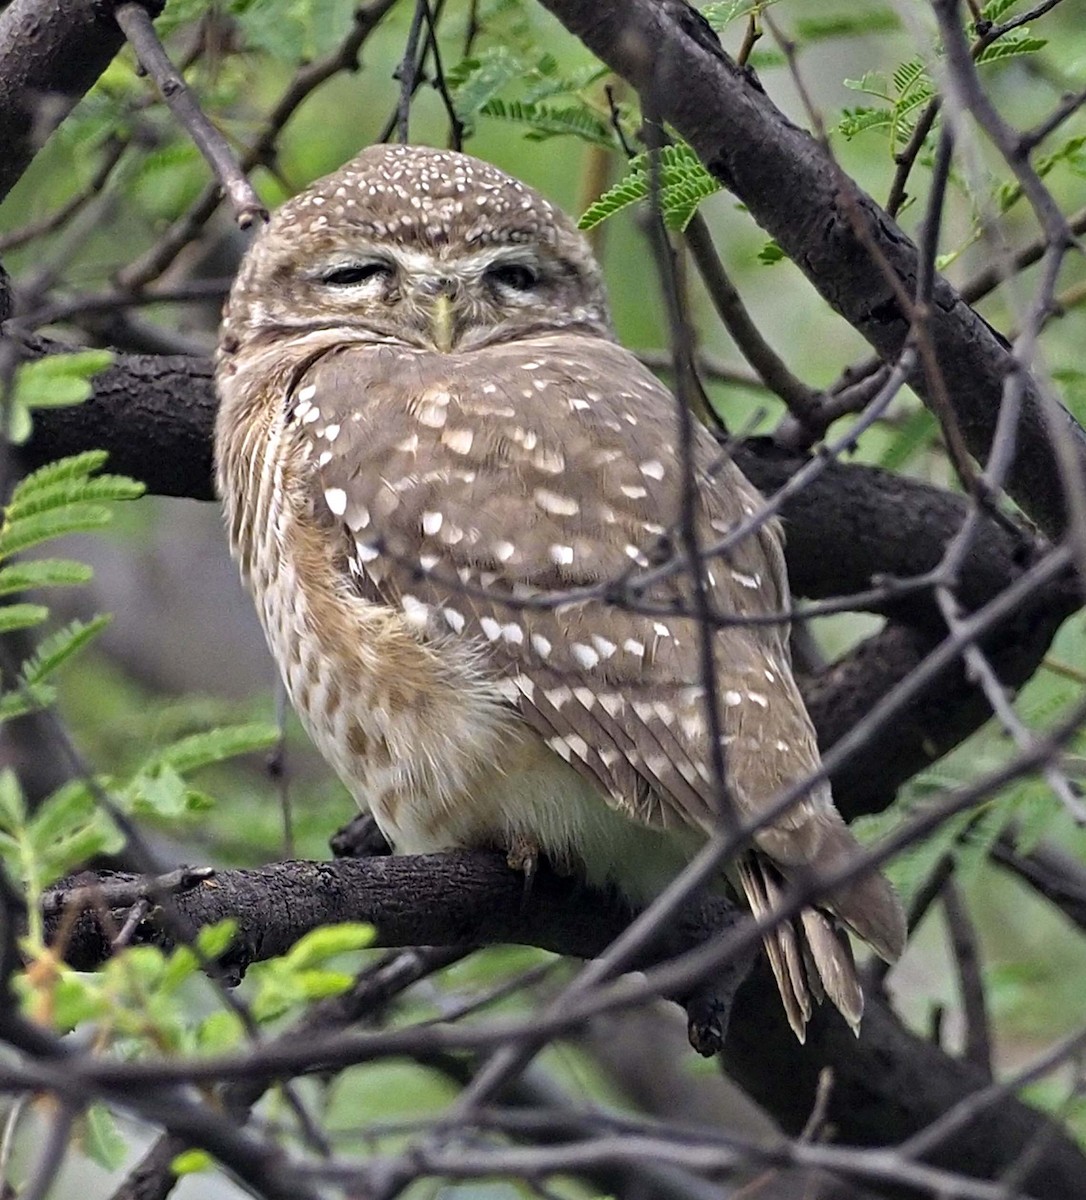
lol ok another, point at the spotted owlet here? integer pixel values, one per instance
(428, 435)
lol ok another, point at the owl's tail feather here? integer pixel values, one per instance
(810, 957)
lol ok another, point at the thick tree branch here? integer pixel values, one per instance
(888, 1085)
(51, 53)
(824, 223)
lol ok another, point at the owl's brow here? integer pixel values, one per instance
(425, 261)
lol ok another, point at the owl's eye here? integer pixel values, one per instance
(352, 274)
(519, 277)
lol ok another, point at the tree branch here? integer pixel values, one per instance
(51, 53)
(825, 224)
(888, 1085)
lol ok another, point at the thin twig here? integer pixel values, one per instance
(135, 21)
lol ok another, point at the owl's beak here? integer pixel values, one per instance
(443, 323)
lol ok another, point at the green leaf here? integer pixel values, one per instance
(43, 572)
(44, 527)
(68, 807)
(684, 183)
(547, 121)
(192, 1162)
(21, 616)
(160, 792)
(59, 380)
(322, 944)
(1011, 45)
(202, 749)
(770, 253)
(102, 1140)
(722, 14)
(817, 29)
(73, 467)
(214, 940)
(12, 803)
(59, 647)
(219, 1032)
(475, 81)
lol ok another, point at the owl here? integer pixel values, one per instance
(457, 502)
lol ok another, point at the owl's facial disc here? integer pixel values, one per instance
(441, 301)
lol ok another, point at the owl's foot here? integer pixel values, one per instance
(523, 855)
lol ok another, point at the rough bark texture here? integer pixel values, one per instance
(888, 1084)
(824, 223)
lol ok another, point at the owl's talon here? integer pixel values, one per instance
(523, 856)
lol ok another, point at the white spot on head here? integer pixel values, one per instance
(336, 499)
(783, 747)
(431, 522)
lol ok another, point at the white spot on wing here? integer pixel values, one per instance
(431, 522)
(558, 505)
(336, 499)
(584, 655)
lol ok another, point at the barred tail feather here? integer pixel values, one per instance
(810, 957)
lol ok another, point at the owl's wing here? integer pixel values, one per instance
(503, 495)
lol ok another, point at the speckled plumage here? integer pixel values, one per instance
(427, 434)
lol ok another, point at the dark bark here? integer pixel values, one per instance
(824, 223)
(888, 1084)
(51, 53)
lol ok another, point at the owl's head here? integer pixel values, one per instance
(427, 247)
